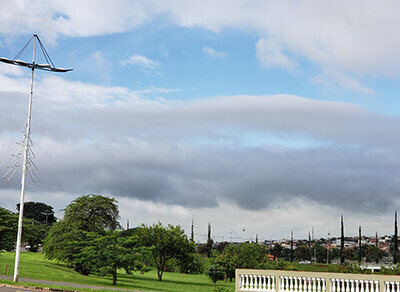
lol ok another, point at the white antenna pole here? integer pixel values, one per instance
(23, 179)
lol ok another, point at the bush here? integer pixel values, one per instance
(243, 256)
(216, 273)
(193, 263)
(391, 270)
(172, 265)
(348, 268)
(277, 265)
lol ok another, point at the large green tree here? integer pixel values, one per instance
(111, 252)
(168, 242)
(66, 244)
(86, 218)
(93, 213)
(39, 212)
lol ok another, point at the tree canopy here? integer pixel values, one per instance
(167, 242)
(39, 212)
(93, 213)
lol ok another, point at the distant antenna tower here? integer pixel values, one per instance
(28, 167)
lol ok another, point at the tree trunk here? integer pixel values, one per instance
(159, 274)
(114, 276)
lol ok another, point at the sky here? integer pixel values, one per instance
(260, 117)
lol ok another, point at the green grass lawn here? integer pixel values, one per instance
(35, 266)
(314, 267)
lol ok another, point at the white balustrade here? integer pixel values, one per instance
(292, 281)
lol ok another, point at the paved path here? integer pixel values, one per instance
(15, 289)
(74, 285)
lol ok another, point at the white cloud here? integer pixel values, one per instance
(213, 53)
(329, 78)
(142, 61)
(270, 54)
(348, 37)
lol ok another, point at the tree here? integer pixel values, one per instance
(377, 245)
(8, 229)
(192, 263)
(341, 241)
(243, 256)
(350, 254)
(373, 254)
(291, 246)
(216, 273)
(168, 242)
(302, 252)
(309, 247)
(66, 244)
(34, 233)
(395, 241)
(111, 252)
(320, 253)
(276, 250)
(210, 241)
(39, 212)
(359, 244)
(93, 213)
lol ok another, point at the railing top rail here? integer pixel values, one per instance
(345, 276)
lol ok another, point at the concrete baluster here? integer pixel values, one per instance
(272, 283)
(282, 284)
(264, 283)
(291, 284)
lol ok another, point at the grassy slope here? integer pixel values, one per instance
(35, 266)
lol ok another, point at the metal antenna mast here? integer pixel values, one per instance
(27, 152)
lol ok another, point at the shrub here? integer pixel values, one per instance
(193, 263)
(216, 273)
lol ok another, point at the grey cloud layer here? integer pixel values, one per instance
(194, 153)
(360, 179)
